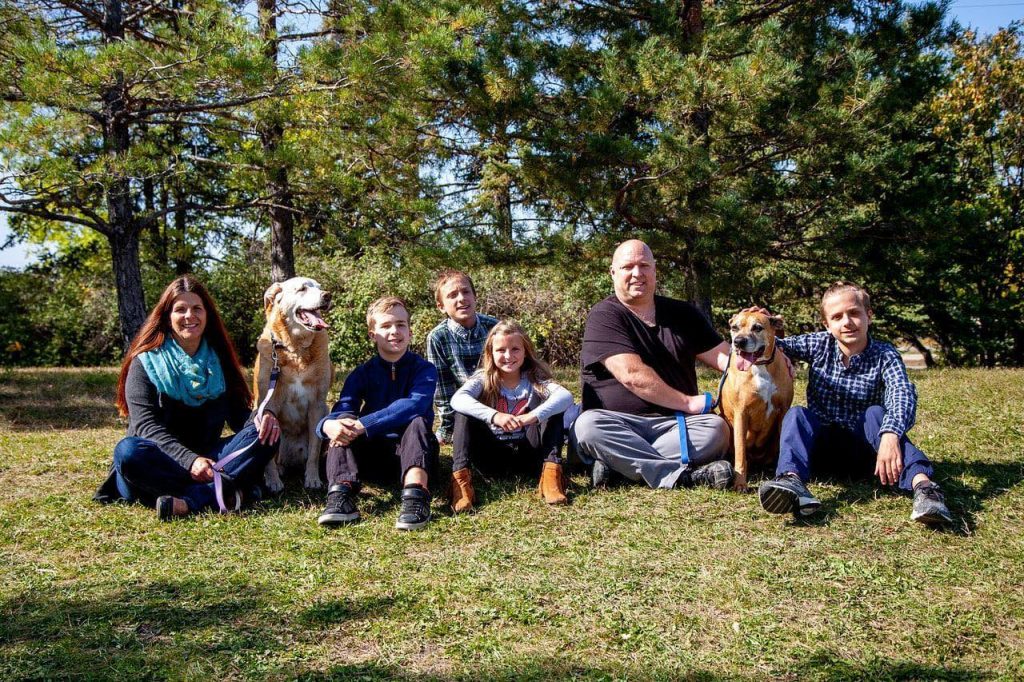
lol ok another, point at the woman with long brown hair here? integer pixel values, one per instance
(180, 382)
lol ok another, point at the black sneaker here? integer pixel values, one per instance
(717, 474)
(415, 510)
(341, 506)
(599, 474)
(787, 494)
(930, 505)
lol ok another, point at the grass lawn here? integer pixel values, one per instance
(626, 583)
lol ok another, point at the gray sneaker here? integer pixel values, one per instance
(599, 474)
(341, 506)
(787, 494)
(415, 510)
(930, 505)
(716, 474)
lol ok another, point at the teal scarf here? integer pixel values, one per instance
(190, 379)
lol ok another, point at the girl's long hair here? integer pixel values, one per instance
(535, 369)
(158, 325)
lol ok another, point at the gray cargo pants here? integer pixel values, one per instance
(647, 448)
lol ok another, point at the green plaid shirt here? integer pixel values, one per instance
(455, 351)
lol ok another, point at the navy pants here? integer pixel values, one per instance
(474, 442)
(383, 457)
(809, 447)
(144, 472)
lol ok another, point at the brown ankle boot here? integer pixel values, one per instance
(552, 484)
(463, 495)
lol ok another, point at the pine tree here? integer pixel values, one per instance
(89, 91)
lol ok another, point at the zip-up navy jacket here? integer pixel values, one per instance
(387, 396)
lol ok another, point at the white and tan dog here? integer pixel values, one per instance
(757, 393)
(295, 332)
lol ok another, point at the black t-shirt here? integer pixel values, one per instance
(670, 347)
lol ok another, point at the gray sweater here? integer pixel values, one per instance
(181, 431)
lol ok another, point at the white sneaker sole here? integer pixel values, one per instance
(337, 519)
(400, 525)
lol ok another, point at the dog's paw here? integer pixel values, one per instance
(274, 484)
(739, 483)
(314, 483)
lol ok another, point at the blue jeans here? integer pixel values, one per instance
(144, 472)
(809, 447)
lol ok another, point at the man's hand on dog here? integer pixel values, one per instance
(890, 460)
(269, 428)
(343, 431)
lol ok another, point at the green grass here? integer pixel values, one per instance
(626, 583)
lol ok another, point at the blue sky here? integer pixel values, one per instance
(985, 16)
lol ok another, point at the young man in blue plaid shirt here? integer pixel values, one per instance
(454, 346)
(860, 405)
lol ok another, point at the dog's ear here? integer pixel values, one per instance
(270, 295)
(732, 320)
(779, 325)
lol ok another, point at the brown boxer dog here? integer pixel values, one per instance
(758, 391)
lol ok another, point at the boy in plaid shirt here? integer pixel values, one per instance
(860, 405)
(454, 346)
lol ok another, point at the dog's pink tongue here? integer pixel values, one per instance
(744, 361)
(312, 319)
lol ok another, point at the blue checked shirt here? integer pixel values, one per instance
(840, 395)
(455, 351)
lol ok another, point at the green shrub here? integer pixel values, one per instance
(54, 316)
(550, 303)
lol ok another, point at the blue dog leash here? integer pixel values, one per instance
(684, 449)
(709, 405)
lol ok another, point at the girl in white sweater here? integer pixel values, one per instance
(509, 418)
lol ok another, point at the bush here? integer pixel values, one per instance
(57, 316)
(550, 303)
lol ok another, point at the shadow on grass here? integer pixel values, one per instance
(158, 630)
(375, 498)
(122, 633)
(964, 501)
(827, 665)
(334, 611)
(46, 399)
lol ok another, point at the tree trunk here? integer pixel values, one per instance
(282, 216)
(181, 255)
(124, 249)
(929, 359)
(700, 292)
(696, 271)
(122, 227)
(281, 212)
(691, 19)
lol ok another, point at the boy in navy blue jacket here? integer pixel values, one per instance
(382, 423)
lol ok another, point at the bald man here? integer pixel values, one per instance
(639, 382)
